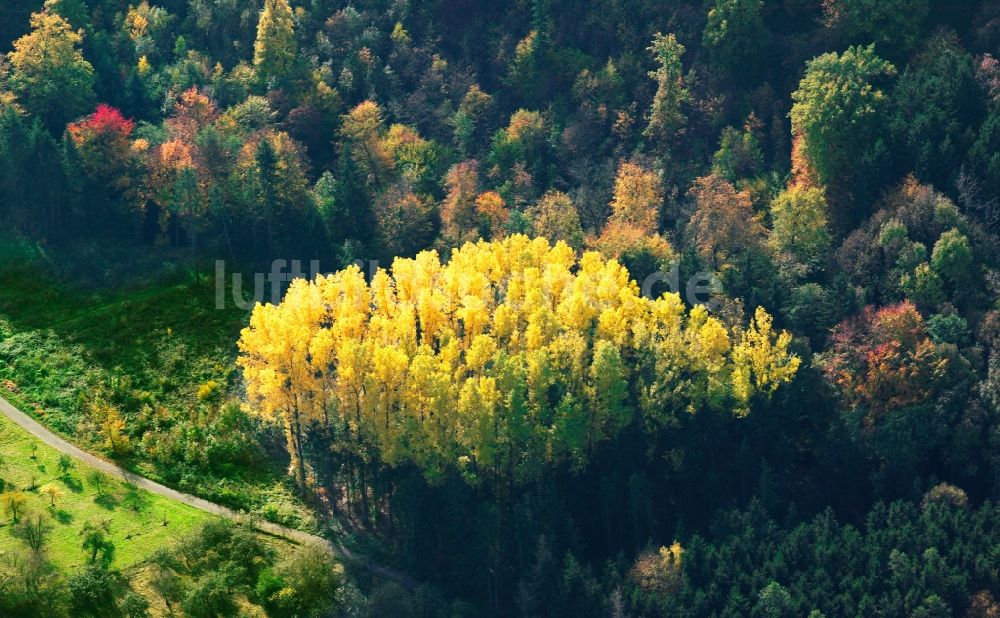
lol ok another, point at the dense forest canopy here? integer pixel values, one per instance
(483, 384)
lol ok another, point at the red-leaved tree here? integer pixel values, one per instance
(884, 359)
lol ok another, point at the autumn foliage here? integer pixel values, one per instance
(105, 123)
(512, 356)
(884, 359)
(103, 142)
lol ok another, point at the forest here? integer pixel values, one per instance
(675, 308)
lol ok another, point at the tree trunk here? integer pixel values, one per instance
(300, 463)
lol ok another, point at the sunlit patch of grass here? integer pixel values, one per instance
(138, 522)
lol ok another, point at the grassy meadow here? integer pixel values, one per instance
(137, 522)
(139, 369)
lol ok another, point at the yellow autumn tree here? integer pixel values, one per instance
(362, 129)
(556, 218)
(637, 198)
(760, 361)
(278, 366)
(275, 50)
(512, 356)
(493, 214)
(630, 235)
(49, 75)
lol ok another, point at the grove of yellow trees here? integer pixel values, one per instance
(511, 356)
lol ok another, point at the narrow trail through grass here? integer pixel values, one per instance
(138, 522)
(149, 504)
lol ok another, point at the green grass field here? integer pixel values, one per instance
(86, 330)
(159, 340)
(139, 522)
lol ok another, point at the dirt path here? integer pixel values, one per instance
(341, 552)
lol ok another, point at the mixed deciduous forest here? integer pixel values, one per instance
(503, 387)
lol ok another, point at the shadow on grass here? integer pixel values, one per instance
(135, 499)
(61, 515)
(118, 326)
(72, 483)
(107, 501)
